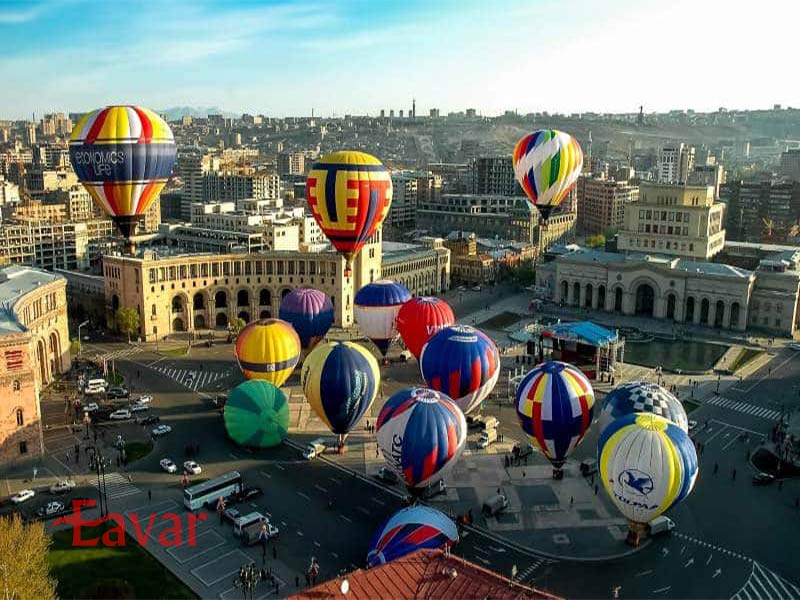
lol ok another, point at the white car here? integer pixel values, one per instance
(146, 399)
(122, 413)
(138, 407)
(192, 467)
(62, 486)
(168, 465)
(476, 288)
(692, 425)
(794, 346)
(161, 430)
(22, 496)
(91, 407)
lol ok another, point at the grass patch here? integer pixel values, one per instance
(690, 405)
(504, 319)
(137, 450)
(181, 351)
(110, 572)
(745, 356)
(115, 379)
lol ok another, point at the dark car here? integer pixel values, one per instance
(118, 392)
(763, 479)
(219, 400)
(148, 420)
(249, 493)
(387, 476)
(103, 413)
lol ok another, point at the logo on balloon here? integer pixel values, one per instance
(636, 482)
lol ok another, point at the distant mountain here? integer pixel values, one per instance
(176, 112)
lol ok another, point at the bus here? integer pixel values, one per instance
(223, 486)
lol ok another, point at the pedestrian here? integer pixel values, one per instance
(149, 495)
(276, 586)
(733, 474)
(138, 374)
(571, 501)
(526, 460)
(130, 478)
(523, 473)
(297, 581)
(716, 468)
(596, 487)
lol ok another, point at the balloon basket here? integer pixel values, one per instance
(634, 536)
(341, 449)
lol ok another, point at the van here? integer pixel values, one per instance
(490, 423)
(495, 505)
(97, 383)
(314, 449)
(660, 524)
(243, 522)
(588, 467)
(488, 436)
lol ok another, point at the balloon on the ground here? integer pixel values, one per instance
(256, 414)
(310, 312)
(463, 363)
(349, 194)
(340, 381)
(123, 156)
(420, 319)
(375, 308)
(647, 465)
(547, 164)
(268, 349)
(409, 530)
(421, 434)
(641, 397)
(554, 404)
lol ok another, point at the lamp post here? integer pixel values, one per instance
(80, 342)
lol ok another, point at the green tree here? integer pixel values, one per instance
(24, 572)
(596, 241)
(128, 321)
(237, 325)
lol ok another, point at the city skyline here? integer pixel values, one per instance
(287, 58)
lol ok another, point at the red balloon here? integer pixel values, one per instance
(420, 318)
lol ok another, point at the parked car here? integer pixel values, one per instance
(386, 475)
(22, 496)
(91, 407)
(192, 468)
(168, 465)
(476, 288)
(231, 513)
(794, 346)
(434, 489)
(145, 399)
(494, 505)
(63, 486)
(103, 413)
(118, 391)
(692, 425)
(120, 414)
(136, 407)
(249, 493)
(588, 467)
(51, 510)
(161, 430)
(763, 479)
(148, 420)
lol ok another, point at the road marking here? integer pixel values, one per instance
(334, 555)
(483, 560)
(764, 583)
(769, 372)
(265, 474)
(283, 523)
(716, 574)
(317, 544)
(303, 495)
(363, 510)
(335, 480)
(642, 573)
(497, 549)
(683, 550)
(346, 518)
(320, 488)
(689, 563)
(281, 467)
(745, 408)
(376, 501)
(479, 549)
(716, 434)
(300, 533)
(660, 590)
(709, 559)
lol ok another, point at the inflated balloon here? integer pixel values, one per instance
(555, 403)
(421, 434)
(349, 194)
(375, 308)
(641, 397)
(268, 349)
(420, 318)
(123, 155)
(463, 363)
(409, 530)
(340, 381)
(647, 465)
(256, 415)
(310, 312)
(547, 164)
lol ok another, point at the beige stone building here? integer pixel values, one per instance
(34, 349)
(601, 203)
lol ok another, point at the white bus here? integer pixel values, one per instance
(196, 496)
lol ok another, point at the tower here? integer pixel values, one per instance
(413, 108)
(640, 116)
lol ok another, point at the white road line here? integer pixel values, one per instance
(317, 544)
(320, 488)
(303, 495)
(300, 533)
(644, 573)
(376, 501)
(346, 518)
(281, 467)
(334, 555)
(363, 510)
(724, 427)
(769, 372)
(659, 590)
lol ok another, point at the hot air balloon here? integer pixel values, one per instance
(123, 155)
(310, 312)
(641, 397)
(409, 530)
(376, 308)
(547, 164)
(463, 363)
(340, 381)
(256, 415)
(268, 349)
(420, 318)
(647, 466)
(554, 405)
(421, 434)
(349, 194)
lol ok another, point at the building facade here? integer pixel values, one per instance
(675, 163)
(424, 269)
(761, 208)
(510, 217)
(601, 204)
(291, 163)
(495, 175)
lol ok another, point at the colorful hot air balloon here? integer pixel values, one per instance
(349, 194)
(641, 397)
(123, 155)
(340, 381)
(554, 405)
(547, 164)
(463, 363)
(420, 318)
(256, 415)
(310, 312)
(409, 530)
(647, 465)
(376, 306)
(268, 349)
(421, 434)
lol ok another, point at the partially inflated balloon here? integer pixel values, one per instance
(420, 319)
(547, 164)
(268, 349)
(409, 530)
(256, 415)
(376, 308)
(310, 312)
(641, 397)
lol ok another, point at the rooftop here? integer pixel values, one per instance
(399, 251)
(15, 282)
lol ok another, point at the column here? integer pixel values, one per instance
(712, 314)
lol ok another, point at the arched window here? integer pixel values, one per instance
(16, 385)
(153, 310)
(20, 417)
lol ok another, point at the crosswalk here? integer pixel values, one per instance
(746, 408)
(121, 353)
(191, 378)
(526, 576)
(117, 486)
(763, 584)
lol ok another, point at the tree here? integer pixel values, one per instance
(237, 325)
(128, 321)
(24, 572)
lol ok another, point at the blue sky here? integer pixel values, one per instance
(283, 58)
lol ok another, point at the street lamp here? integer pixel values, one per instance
(80, 343)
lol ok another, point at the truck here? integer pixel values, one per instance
(659, 525)
(495, 505)
(252, 533)
(488, 436)
(490, 423)
(314, 448)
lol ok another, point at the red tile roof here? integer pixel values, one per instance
(424, 574)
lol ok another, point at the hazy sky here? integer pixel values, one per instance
(283, 58)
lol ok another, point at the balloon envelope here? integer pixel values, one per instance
(409, 530)
(641, 397)
(547, 164)
(463, 363)
(555, 403)
(340, 381)
(256, 414)
(421, 434)
(268, 349)
(647, 465)
(420, 318)
(310, 312)
(376, 306)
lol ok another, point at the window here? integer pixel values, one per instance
(23, 447)
(20, 418)
(153, 310)
(778, 307)
(691, 247)
(777, 322)
(17, 386)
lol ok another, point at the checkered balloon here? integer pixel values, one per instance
(641, 397)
